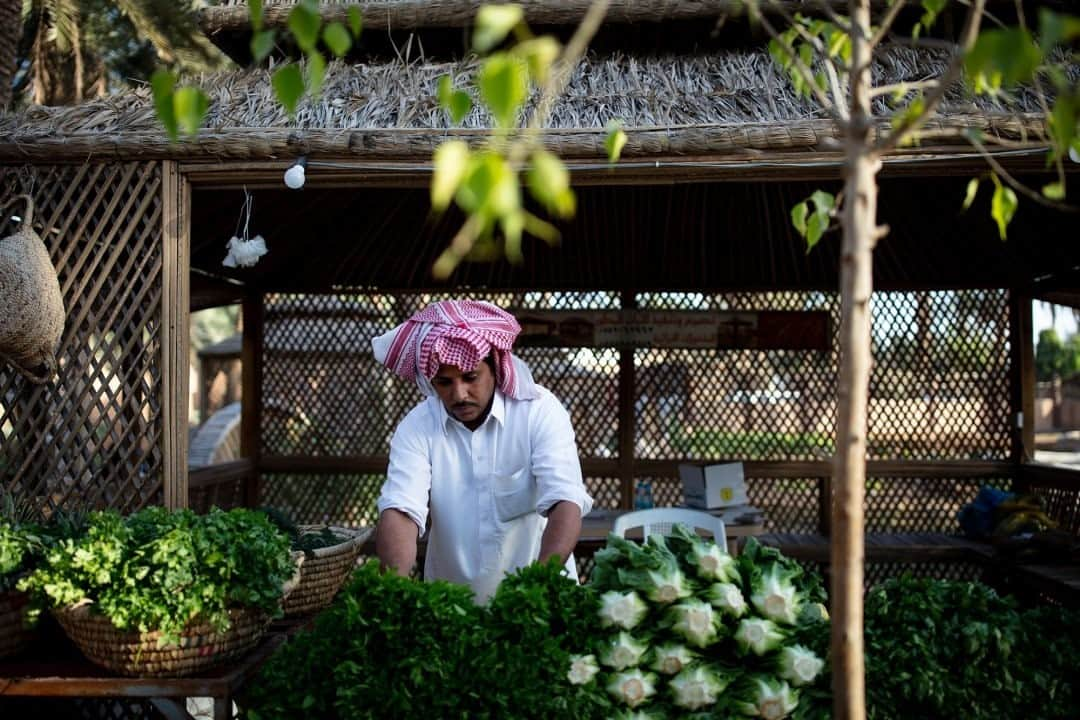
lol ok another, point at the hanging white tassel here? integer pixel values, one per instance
(244, 253)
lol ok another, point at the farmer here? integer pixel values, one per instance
(489, 457)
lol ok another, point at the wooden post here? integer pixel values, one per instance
(627, 428)
(1021, 379)
(175, 343)
(251, 394)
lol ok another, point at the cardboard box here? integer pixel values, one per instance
(713, 486)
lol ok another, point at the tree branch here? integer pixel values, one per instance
(1016, 184)
(909, 124)
(838, 112)
(886, 22)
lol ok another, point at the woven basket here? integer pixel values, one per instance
(15, 636)
(137, 653)
(134, 653)
(323, 574)
(33, 320)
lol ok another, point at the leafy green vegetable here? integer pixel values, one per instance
(391, 647)
(158, 569)
(957, 649)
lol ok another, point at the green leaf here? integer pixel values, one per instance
(1054, 191)
(255, 11)
(1003, 206)
(304, 24)
(190, 104)
(1063, 122)
(490, 187)
(549, 182)
(1055, 29)
(798, 217)
(316, 72)
(1001, 59)
(262, 43)
(288, 86)
(815, 228)
(823, 202)
(932, 8)
(451, 162)
(456, 103)
(539, 53)
(615, 141)
(356, 21)
(337, 38)
(504, 85)
(972, 190)
(162, 83)
(493, 24)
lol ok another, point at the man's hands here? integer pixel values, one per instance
(562, 531)
(395, 541)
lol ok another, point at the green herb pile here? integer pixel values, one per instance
(942, 649)
(391, 647)
(159, 569)
(305, 542)
(694, 632)
(20, 546)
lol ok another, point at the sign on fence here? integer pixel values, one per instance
(766, 330)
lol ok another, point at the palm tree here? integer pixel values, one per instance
(10, 12)
(72, 49)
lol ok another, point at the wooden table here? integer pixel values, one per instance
(740, 522)
(53, 668)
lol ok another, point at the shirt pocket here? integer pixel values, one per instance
(515, 494)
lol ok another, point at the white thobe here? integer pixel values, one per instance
(489, 490)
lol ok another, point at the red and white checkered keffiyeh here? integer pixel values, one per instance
(460, 333)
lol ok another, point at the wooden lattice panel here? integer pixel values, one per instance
(790, 504)
(918, 504)
(324, 394)
(939, 392)
(93, 437)
(338, 499)
(939, 386)
(606, 492)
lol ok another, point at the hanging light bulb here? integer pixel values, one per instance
(1074, 155)
(296, 175)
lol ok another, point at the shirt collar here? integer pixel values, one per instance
(443, 418)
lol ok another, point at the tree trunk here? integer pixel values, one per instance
(849, 480)
(10, 29)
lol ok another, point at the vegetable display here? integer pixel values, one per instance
(159, 569)
(691, 631)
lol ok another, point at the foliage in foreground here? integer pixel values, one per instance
(957, 649)
(391, 647)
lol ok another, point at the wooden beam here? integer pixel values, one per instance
(603, 467)
(220, 473)
(175, 301)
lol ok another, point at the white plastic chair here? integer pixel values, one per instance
(658, 521)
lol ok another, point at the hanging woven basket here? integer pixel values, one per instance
(33, 317)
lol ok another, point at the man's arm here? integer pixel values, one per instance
(562, 531)
(395, 541)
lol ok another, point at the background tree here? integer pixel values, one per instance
(1054, 357)
(70, 50)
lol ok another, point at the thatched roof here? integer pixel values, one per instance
(722, 103)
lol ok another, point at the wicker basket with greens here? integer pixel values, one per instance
(166, 593)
